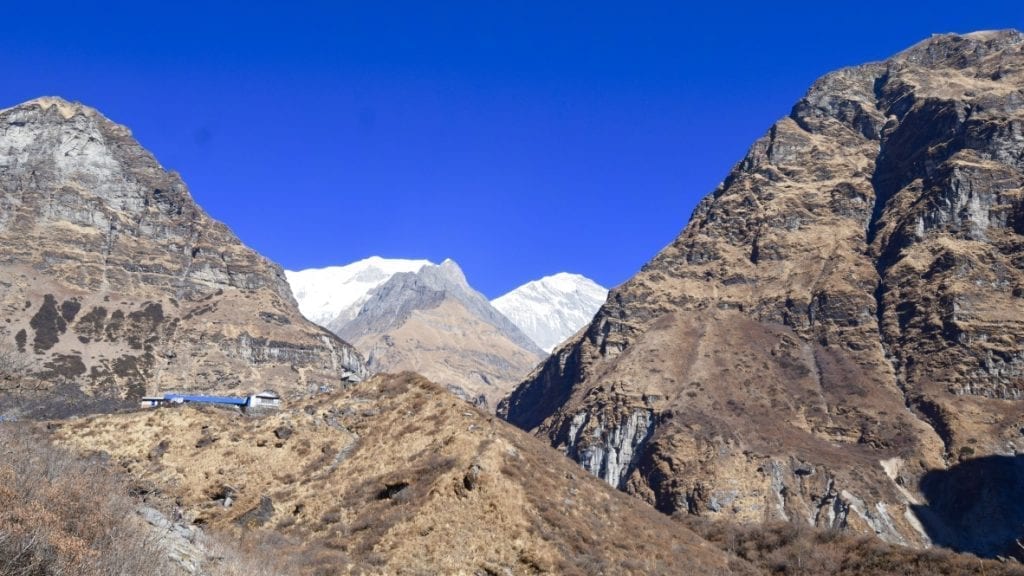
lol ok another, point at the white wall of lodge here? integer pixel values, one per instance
(264, 401)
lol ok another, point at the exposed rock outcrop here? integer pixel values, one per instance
(114, 283)
(391, 303)
(840, 318)
(608, 450)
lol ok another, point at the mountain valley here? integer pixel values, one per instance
(823, 372)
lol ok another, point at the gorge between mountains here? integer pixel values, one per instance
(828, 358)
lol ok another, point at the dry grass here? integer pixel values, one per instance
(464, 494)
(14, 365)
(785, 548)
(355, 489)
(60, 514)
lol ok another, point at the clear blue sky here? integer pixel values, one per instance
(518, 138)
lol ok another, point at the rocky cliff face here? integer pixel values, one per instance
(429, 320)
(114, 283)
(841, 320)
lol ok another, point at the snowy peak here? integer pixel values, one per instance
(390, 304)
(553, 308)
(332, 296)
(545, 311)
(453, 272)
(419, 316)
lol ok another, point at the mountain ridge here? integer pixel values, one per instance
(398, 477)
(117, 284)
(837, 323)
(332, 296)
(438, 281)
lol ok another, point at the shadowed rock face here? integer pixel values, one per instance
(114, 283)
(842, 315)
(976, 506)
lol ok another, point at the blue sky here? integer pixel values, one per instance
(518, 138)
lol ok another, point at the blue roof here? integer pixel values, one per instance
(208, 399)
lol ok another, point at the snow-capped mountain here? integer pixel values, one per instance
(333, 296)
(553, 308)
(419, 316)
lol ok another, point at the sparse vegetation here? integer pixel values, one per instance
(466, 494)
(60, 514)
(13, 364)
(65, 515)
(786, 548)
(471, 494)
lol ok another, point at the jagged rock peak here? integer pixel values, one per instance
(419, 316)
(390, 304)
(959, 50)
(454, 272)
(65, 108)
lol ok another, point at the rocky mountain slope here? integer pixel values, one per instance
(114, 283)
(394, 476)
(836, 337)
(552, 309)
(423, 317)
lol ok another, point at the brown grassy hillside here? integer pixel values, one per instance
(60, 514)
(395, 476)
(389, 477)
